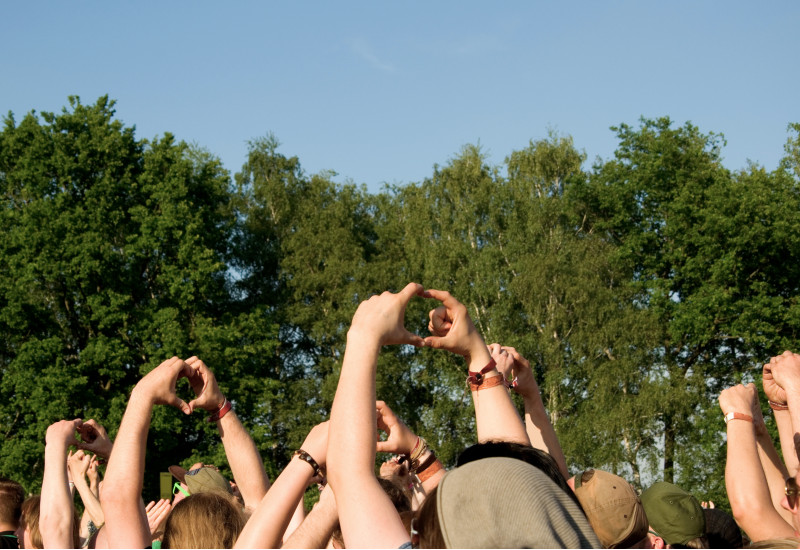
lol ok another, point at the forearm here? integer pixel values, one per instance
(746, 486)
(496, 416)
(271, 517)
(318, 526)
(244, 459)
(541, 432)
(351, 452)
(126, 522)
(91, 503)
(786, 433)
(55, 521)
(774, 471)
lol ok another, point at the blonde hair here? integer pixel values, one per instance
(203, 520)
(29, 519)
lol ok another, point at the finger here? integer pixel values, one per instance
(414, 339)
(435, 342)
(443, 296)
(179, 403)
(411, 290)
(149, 506)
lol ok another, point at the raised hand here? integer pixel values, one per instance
(381, 318)
(158, 385)
(451, 326)
(63, 432)
(738, 399)
(157, 513)
(512, 364)
(204, 384)
(94, 439)
(399, 439)
(781, 375)
(78, 465)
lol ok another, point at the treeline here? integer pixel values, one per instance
(638, 288)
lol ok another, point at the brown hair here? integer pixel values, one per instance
(11, 496)
(29, 519)
(699, 542)
(203, 520)
(427, 523)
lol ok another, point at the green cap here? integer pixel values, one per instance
(674, 514)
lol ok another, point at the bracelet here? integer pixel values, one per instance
(424, 474)
(778, 406)
(477, 377)
(488, 383)
(737, 416)
(428, 462)
(419, 450)
(308, 458)
(222, 411)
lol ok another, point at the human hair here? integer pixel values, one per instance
(427, 523)
(203, 520)
(698, 542)
(29, 519)
(535, 457)
(789, 542)
(11, 497)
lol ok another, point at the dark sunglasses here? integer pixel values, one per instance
(792, 490)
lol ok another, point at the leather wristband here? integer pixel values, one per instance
(222, 411)
(778, 406)
(478, 377)
(737, 416)
(310, 460)
(424, 474)
(488, 383)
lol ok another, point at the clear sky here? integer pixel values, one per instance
(380, 92)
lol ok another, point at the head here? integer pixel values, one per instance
(675, 516)
(612, 507)
(204, 520)
(526, 453)
(28, 530)
(11, 497)
(721, 529)
(515, 504)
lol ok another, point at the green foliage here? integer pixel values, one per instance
(638, 288)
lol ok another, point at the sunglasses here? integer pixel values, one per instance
(178, 489)
(792, 490)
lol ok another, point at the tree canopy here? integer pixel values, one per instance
(638, 287)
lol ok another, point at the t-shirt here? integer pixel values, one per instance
(8, 540)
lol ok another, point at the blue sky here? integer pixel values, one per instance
(380, 92)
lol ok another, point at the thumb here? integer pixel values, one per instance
(384, 447)
(179, 403)
(436, 342)
(414, 339)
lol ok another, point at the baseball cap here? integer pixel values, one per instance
(612, 507)
(201, 480)
(674, 514)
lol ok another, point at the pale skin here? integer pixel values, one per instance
(745, 480)
(318, 526)
(360, 499)
(271, 517)
(55, 520)
(79, 465)
(126, 520)
(785, 372)
(400, 440)
(240, 450)
(512, 364)
(496, 416)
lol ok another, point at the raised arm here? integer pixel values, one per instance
(400, 440)
(55, 521)
(318, 526)
(272, 515)
(512, 364)
(788, 421)
(126, 521)
(243, 457)
(745, 482)
(366, 514)
(79, 465)
(496, 416)
(94, 439)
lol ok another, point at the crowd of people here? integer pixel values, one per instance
(512, 489)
